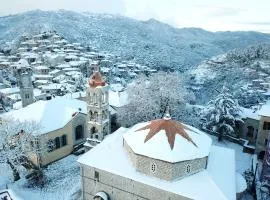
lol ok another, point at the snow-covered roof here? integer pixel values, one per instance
(41, 67)
(51, 115)
(159, 148)
(118, 99)
(8, 91)
(249, 113)
(216, 182)
(265, 110)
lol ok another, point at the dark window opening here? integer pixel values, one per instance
(96, 176)
(64, 140)
(57, 142)
(266, 126)
(93, 130)
(27, 96)
(250, 131)
(79, 132)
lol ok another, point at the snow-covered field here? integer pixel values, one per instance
(63, 177)
(63, 182)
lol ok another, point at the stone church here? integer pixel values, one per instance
(158, 160)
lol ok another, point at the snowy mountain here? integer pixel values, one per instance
(149, 42)
(241, 70)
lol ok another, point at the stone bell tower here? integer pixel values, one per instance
(98, 109)
(24, 74)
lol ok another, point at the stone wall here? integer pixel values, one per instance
(120, 188)
(162, 169)
(262, 135)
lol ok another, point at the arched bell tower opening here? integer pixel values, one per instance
(98, 109)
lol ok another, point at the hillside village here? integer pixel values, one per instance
(63, 98)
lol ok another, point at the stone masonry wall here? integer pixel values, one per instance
(120, 188)
(165, 170)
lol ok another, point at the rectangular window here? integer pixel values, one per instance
(96, 176)
(57, 142)
(64, 140)
(266, 126)
(27, 96)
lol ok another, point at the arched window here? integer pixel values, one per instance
(93, 130)
(188, 169)
(64, 140)
(90, 115)
(95, 116)
(153, 167)
(79, 132)
(57, 142)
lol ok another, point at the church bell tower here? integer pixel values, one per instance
(98, 108)
(24, 74)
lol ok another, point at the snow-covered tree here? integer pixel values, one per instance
(248, 98)
(150, 96)
(80, 83)
(18, 143)
(221, 114)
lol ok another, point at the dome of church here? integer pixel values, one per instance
(168, 140)
(96, 80)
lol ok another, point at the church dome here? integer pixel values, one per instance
(96, 80)
(168, 140)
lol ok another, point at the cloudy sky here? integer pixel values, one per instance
(213, 15)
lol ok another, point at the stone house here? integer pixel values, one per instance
(62, 126)
(264, 129)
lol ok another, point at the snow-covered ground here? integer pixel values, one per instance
(63, 182)
(243, 160)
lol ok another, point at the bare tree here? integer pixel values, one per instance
(19, 144)
(150, 96)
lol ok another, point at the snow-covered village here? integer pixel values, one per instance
(110, 100)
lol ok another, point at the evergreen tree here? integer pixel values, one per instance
(221, 114)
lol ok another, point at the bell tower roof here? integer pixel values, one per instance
(96, 80)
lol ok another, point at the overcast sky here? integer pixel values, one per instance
(213, 15)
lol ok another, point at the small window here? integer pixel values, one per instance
(64, 140)
(188, 169)
(266, 126)
(96, 176)
(27, 96)
(57, 142)
(96, 136)
(153, 167)
(50, 145)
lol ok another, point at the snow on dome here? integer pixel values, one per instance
(22, 63)
(159, 146)
(96, 80)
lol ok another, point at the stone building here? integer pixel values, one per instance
(97, 109)
(24, 76)
(264, 129)
(160, 160)
(62, 126)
